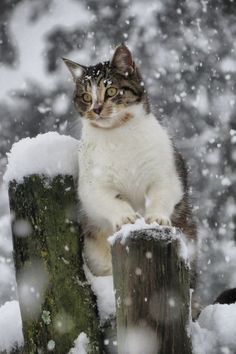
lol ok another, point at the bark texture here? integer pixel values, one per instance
(152, 293)
(49, 266)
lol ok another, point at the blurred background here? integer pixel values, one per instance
(186, 51)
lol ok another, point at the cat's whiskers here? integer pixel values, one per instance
(107, 111)
(91, 115)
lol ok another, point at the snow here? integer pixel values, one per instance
(220, 319)
(140, 224)
(33, 281)
(139, 340)
(126, 230)
(49, 154)
(6, 273)
(10, 326)
(60, 104)
(62, 15)
(80, 344)
(201, 102)
(215, 330)
(51, 345)
(102, 287)
(225, 181)
(228, 65)
(5, 232)
(182, 48)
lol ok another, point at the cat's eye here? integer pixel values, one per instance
(111, 91)
(87, 97)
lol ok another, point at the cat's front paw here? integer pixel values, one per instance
(160, 219)
(120, 220)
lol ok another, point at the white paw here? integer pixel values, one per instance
(120, 220)
(160, 219)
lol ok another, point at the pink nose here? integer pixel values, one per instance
(97, 109)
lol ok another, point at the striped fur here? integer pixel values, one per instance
(95, 80)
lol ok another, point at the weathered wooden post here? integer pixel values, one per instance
(151, 281)
(56, 301)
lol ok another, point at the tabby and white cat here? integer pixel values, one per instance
(128, 166)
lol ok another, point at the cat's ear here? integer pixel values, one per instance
(122, 60)
(76, 69)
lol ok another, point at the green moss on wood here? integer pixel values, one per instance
(50, 207)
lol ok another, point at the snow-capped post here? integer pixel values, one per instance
(56, 302)
(152, 287)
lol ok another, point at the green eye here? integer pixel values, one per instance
(111, 91)
(87, 97)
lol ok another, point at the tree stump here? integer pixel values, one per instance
(55, 300)
(152, 286)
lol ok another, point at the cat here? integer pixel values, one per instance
(128, 166)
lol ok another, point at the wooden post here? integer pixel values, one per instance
(151, 281)
(55, 300)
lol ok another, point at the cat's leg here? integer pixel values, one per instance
(105, 208)
(97, 253)
(106, 212)
(161, 200)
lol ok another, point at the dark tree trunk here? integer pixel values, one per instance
(152, 293)
(48, 254)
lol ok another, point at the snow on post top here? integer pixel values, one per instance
(50, 154)
(165, 233)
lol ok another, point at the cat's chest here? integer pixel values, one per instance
(119, 160)
(126, 159)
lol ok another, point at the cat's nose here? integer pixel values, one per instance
(97, 109)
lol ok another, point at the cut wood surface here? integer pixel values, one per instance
(151, 283)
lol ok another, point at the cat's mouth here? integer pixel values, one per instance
(100, 120)
(105, 114)
(109, 117)
(111, 121)
(100, 117)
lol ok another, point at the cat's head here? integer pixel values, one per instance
(106, 93)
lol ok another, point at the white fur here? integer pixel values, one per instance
(134, 161)
(94, 96)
